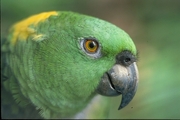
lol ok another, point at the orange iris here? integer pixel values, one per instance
(91, 46)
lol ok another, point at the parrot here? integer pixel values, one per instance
(63, 64)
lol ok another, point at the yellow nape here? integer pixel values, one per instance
(21, 30)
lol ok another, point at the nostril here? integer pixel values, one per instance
(127, 60)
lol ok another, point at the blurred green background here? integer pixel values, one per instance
(154, 25)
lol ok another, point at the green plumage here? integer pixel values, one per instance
(51, 73)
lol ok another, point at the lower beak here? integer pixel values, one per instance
(120, 80)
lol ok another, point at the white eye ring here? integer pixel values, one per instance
(94, 54)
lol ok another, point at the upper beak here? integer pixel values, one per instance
(120, 80)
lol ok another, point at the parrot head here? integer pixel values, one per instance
(68, 58)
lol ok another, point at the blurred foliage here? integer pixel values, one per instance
(154, 25)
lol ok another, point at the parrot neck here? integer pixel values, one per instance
(95, 109)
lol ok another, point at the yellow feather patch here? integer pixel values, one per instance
(21, 30)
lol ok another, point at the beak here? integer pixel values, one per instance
(120, 80)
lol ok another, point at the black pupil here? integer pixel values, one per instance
(92, 44)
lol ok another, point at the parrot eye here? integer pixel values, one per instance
(91, 47)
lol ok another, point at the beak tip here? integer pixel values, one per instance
(121, 106)
(126, 98)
